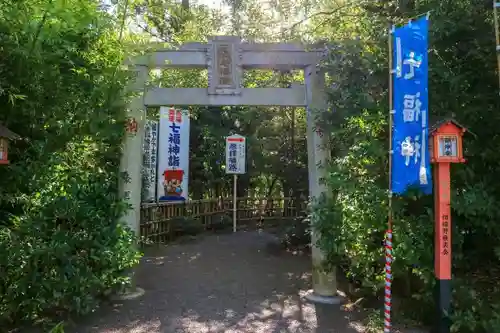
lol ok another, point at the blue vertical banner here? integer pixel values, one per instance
(410, 159)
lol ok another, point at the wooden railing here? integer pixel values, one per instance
(160, 222)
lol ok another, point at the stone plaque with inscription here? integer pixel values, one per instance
(224, 69)
(224, 64)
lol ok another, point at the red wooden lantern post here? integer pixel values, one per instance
(446, 148)
(5, 136)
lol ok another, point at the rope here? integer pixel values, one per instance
(388, 282)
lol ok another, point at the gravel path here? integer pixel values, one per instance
(226, 283)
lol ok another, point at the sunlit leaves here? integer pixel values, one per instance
(463, 83)
(61, 243)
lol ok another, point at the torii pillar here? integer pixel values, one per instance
(131, 161)
(324, 283)
(130, 182)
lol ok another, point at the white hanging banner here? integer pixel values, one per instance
(236, 155)
(150, 152)
(173, 155)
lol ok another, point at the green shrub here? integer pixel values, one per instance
(220, 222)
(353, 223)
(296, 233)
(186, 226)
(62, 247)
(64, 255)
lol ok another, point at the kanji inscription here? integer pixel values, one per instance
(224, 65)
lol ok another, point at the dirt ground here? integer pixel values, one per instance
(228, 283)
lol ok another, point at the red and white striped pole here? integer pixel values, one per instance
(388, 238)
(388, 282)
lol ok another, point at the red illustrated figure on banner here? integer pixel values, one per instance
(172, 184)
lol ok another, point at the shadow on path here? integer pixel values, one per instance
(226, 283)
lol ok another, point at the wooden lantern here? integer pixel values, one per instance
(446, 142)
(5, 136)
(445, 148)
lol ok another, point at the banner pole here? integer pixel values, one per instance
(388, 239)
(235, 177)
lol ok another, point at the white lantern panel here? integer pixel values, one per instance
(448, 146)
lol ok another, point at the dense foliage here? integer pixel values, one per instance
(463, 84)
(61, 244)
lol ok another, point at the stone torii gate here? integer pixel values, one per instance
(226, 57)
